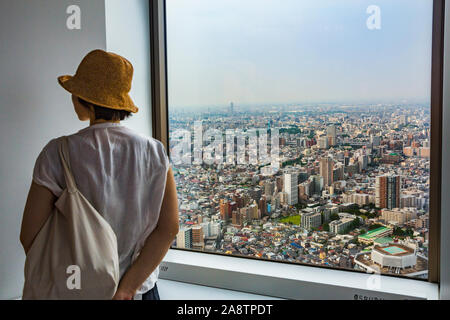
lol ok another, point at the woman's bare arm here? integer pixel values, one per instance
(156, 245)
(38, 208)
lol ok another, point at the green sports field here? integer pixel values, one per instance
(292, 219)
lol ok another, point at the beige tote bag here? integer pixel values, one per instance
(74, 256)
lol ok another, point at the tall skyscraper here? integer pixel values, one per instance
(231, 108)
(363, 162)
(269, 188)
(375, 140)
(326, 171)
(226, 209)
(317, 184)
(338, 172)
(331, 135)
(290, 187)
(262, 206)
(387, 191)
(253, 211)
(184, 238)
(238, 218)
(323, 142)
(197, 238)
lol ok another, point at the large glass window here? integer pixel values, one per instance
(300, 130)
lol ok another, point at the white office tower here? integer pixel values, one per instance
(291, 187)
(323, 142)
(363, 162)
(214, 229)
(184, 238)
(206, 226)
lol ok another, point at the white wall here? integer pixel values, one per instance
(35, 48)
(127, 34)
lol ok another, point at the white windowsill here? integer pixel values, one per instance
(174, 290)
(287, 280)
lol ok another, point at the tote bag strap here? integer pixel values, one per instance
(64, 155)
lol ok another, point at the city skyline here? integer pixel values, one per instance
(351, 192)
(346, 87)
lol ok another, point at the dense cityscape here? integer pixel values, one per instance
(351, 191)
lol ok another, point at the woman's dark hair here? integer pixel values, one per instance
(106, 113)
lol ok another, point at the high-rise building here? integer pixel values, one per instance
(238, 218)
(328, 210)
(262, 206)
(197, 238)
(400, 216)
(317, 184)
(387, 191)
(279, 183)
(338, 173)
(305, 190)
(253, 211)
(244, 213)
(339, 226)
(311, 220)
(375, 140)
(184, 238)
(346, 161)
(269, 188)
(239, 200)
(326, 171)
(409, 201)
(363, 161)
(215, 229)
(331, 135)
(206, 226)
(225, 210)
(290, 187)
(231, 207)
(323, 142)
(302, 176)
(423, 222)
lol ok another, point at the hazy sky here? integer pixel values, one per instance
(282, 51)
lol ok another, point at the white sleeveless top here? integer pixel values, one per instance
(122, 174)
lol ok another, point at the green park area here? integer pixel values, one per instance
(292, 220)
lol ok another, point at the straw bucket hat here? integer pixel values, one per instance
(104, 79)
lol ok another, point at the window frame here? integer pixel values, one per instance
(160, 128)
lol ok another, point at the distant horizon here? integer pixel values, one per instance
(237, 105)
(253, 52)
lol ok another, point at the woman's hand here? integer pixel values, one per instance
(123, 295)
(156, 245)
